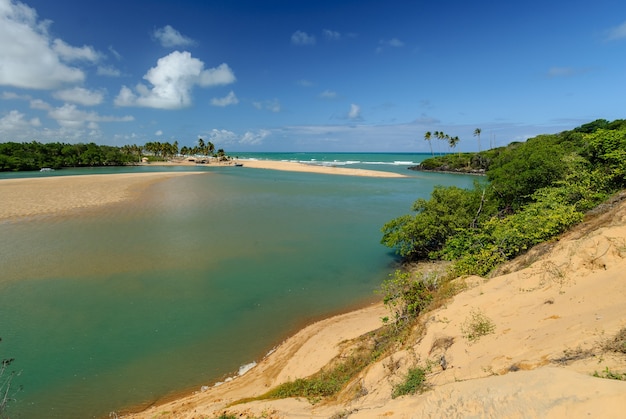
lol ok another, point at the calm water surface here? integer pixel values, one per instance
(124, 305)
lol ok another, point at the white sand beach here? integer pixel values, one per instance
(287, 166)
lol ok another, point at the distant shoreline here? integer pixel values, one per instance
(39, 196)
(281, 165)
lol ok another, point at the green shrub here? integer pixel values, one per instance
(476, 326)
(414, 382)
(407, 295)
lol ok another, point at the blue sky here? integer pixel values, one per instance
(312, 75)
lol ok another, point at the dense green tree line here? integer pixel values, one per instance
(35, 155)
(533, 191)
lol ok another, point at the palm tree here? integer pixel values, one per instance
(201, 145)
(427, 137)
(453, 141)
(440, 135)
(477, 132)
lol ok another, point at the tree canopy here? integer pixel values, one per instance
(533, 191)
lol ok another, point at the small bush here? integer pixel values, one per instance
(611, 375)
(414, 382)
(408, 296)
(476, 326)
(618, 343)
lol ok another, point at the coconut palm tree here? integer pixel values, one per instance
(453, 141)
(427, 137)
(477, 132)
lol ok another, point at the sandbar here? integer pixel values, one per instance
(286, 166)
(29, 197)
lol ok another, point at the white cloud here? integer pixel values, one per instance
(566, 71)
(69, 53)
(108, 70)
(40, 105)
(332, 35)
(355, 112)
(254, 138)
(222, 136)
(81, 96)
(225, 137)
(158, 133)
(69, 116)
(618, 32)
(29, 57)
(393, 43)
(15, 122)
(116, 54)
(302, 38)
(269, 105)
(304, 83)
(14, 96)
(229, 99)
(172, 81)
(170, 37)
(328, 94)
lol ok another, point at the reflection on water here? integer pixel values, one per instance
(123, 305)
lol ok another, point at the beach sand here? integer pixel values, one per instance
(553, 313)
(290, 167)
(28, 197)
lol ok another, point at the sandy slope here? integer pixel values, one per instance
(551, 319)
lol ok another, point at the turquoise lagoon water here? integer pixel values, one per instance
(125, 305)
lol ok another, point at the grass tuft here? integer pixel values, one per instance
(476, 326)
(414, 382)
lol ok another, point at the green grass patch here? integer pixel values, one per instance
(414, 382)
(611, 375)
(476, 326)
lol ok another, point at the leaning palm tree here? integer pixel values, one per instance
(427, 137)
(477, 132)
(440, 135)
(453, 141)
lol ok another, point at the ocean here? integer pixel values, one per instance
(122, 306)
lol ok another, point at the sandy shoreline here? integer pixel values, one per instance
(28, 197)
(289, 167)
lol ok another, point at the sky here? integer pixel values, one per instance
(308, 75)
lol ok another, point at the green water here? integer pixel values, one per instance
(124, 305)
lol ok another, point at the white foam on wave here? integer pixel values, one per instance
(242, 370)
